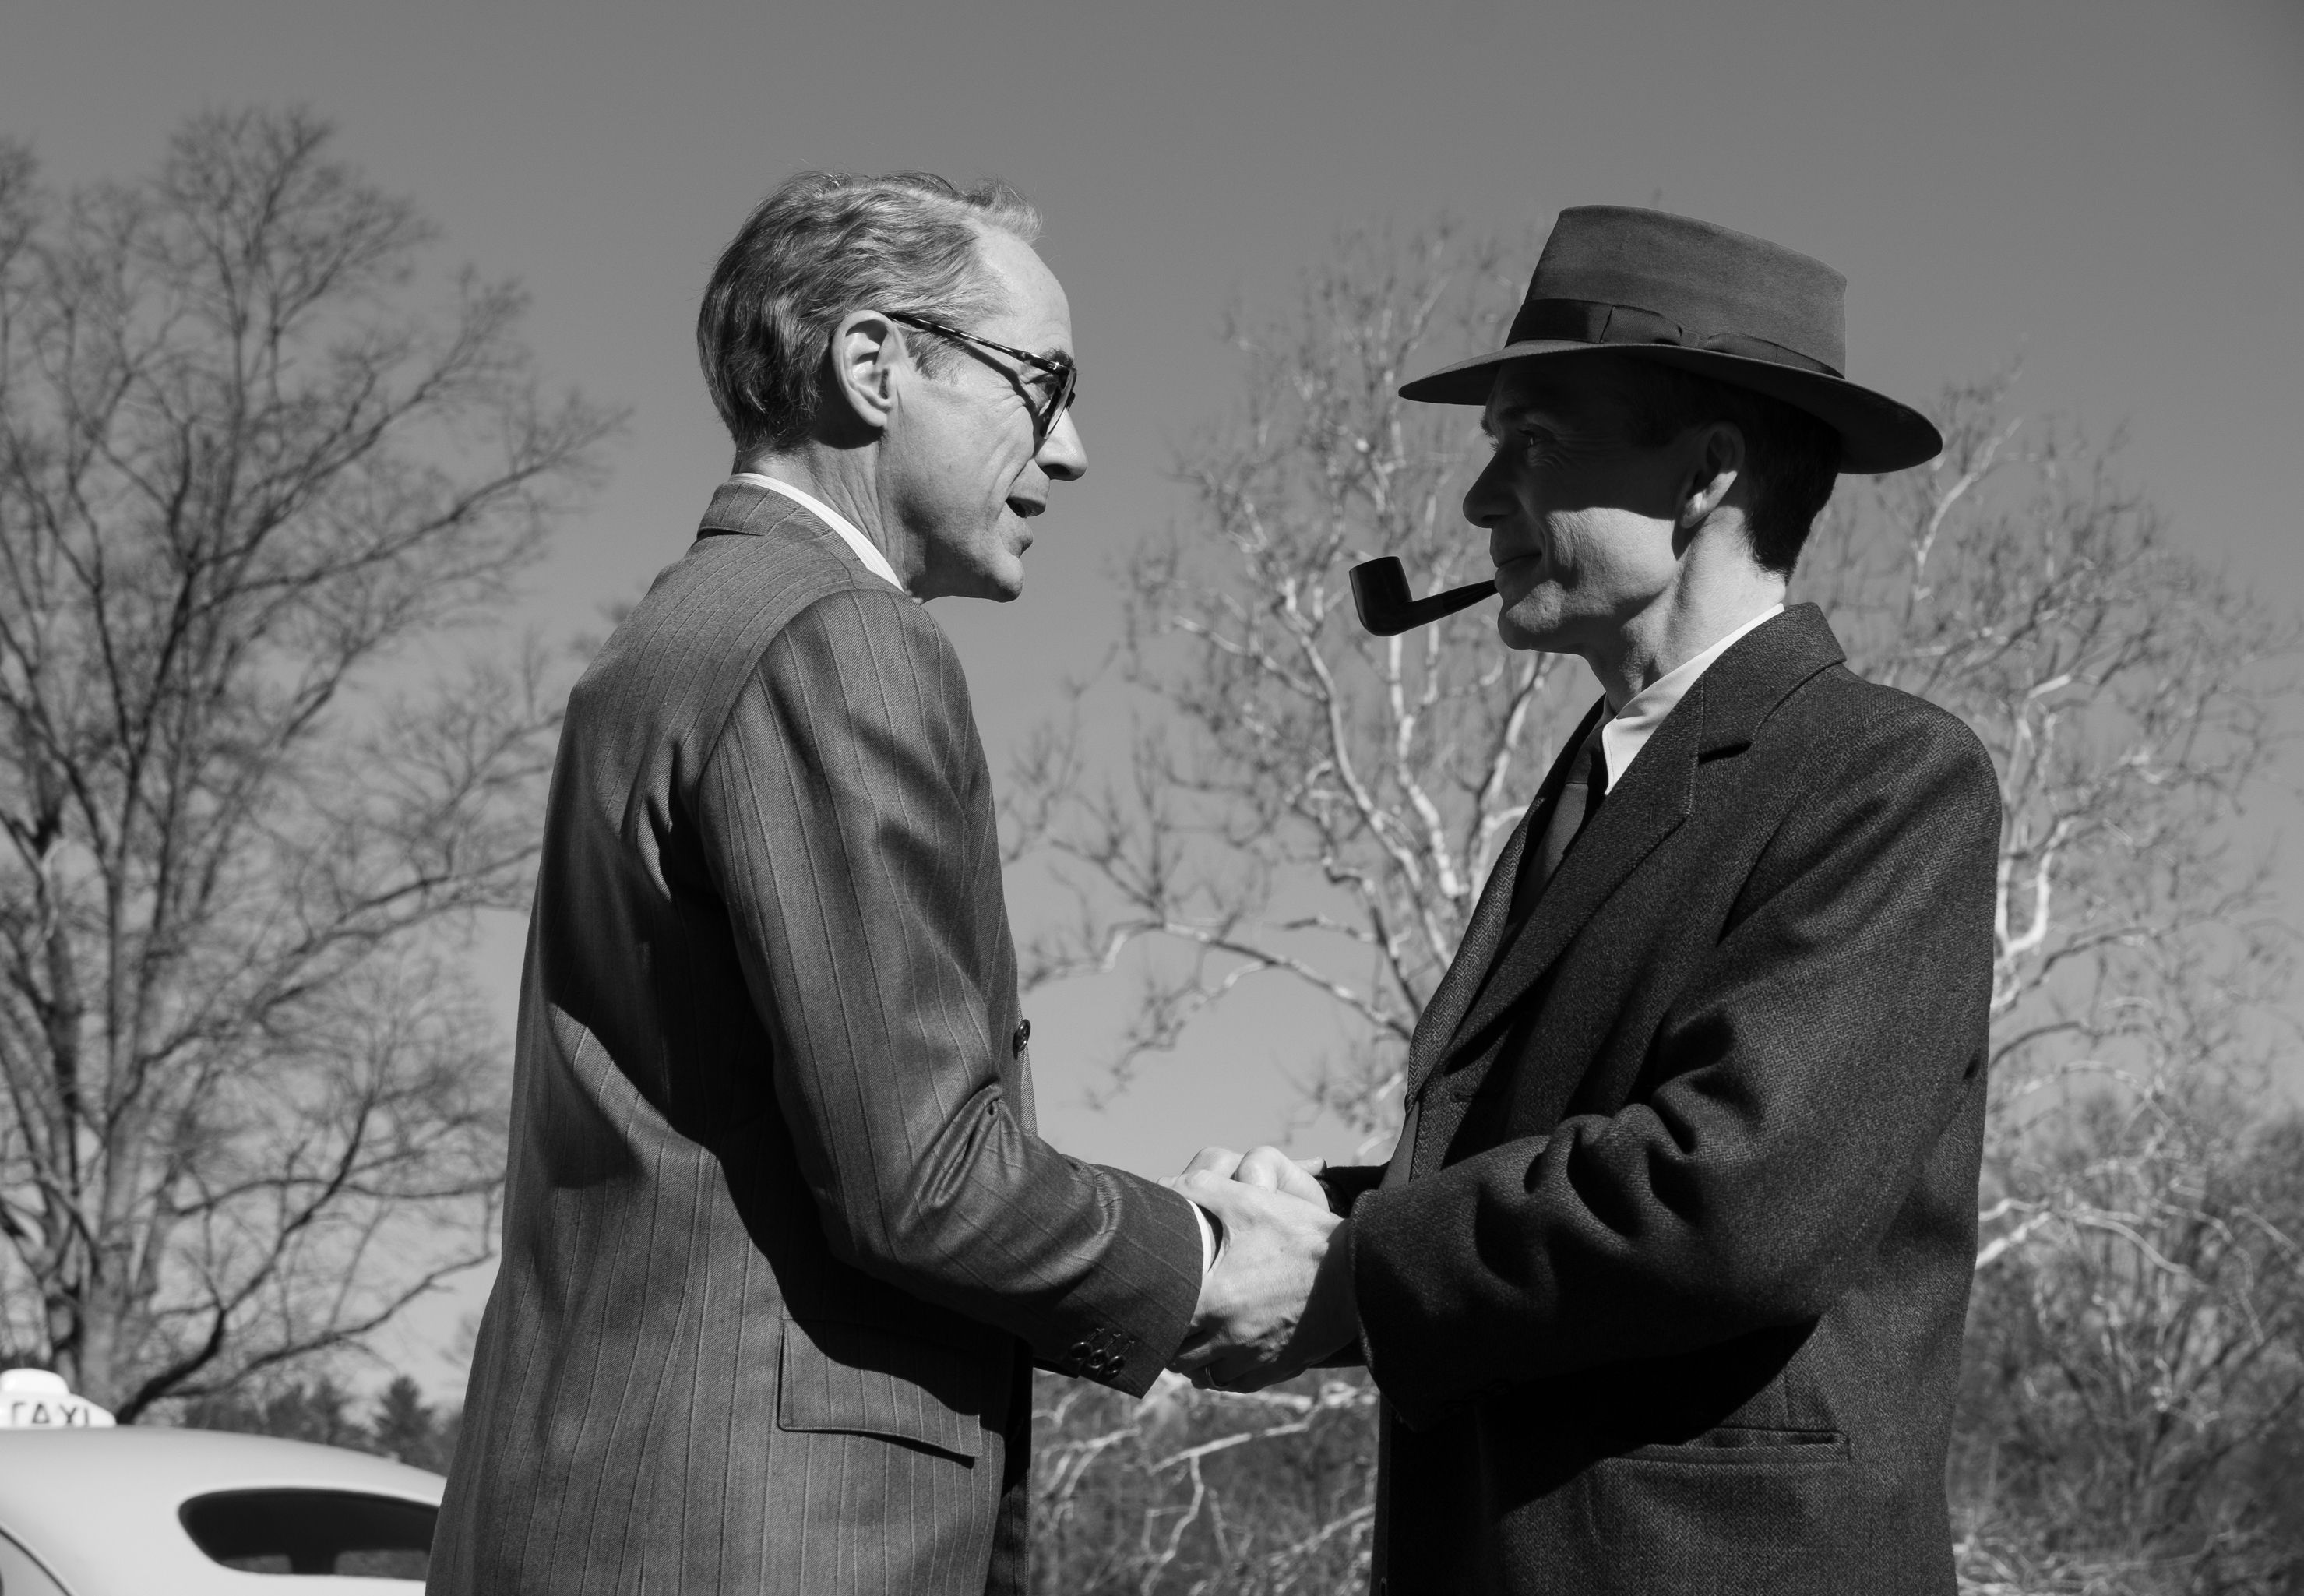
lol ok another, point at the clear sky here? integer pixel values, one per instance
(2112, 191)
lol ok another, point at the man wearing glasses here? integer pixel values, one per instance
(780, 1245)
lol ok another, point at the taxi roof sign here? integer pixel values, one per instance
(38, 1399)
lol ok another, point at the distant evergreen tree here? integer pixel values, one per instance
(412, 1429)
(319, 1410)
(402, 1425)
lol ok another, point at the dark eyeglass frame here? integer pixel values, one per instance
(1066, 374)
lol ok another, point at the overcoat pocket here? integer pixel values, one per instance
(1733, 1446)
(1772, 1505)
(863, 1379)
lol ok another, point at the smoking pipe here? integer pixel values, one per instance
(1380, 593)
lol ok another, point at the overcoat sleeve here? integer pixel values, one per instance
(846, 819)
(1789, 1097)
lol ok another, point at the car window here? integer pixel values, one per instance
(21, 1575)
(303, 1531)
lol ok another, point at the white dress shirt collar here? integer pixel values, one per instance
(865, 548)
(1623, 738)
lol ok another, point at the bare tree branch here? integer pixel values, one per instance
(246, 492)
(1312, 804)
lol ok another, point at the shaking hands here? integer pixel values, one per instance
(1279, 1297)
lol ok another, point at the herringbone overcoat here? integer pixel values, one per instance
(1664, 1288)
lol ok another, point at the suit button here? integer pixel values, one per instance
(1016, 1043)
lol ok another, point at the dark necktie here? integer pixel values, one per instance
(1580, 799)
(1580, 796)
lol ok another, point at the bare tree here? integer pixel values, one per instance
(249, 493)
(2130, 1412)
(2137, 1350)
(2131, 699)
(1303, 802)
(1266, 1495)
(1309, 802)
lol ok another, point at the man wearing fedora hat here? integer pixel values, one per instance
(1664, 1284)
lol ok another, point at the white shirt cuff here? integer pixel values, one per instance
(1208, 1245)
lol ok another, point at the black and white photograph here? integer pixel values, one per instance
(1273, 798)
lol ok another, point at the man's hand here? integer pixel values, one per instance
(1266, 1166)
(1279, 1296)
(1275, 1171)
(1218, 1161)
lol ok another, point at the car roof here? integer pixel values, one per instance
(99, 1506)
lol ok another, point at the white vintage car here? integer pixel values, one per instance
(91, 1509)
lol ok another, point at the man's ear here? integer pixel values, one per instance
(1717, 467)
(866, 355)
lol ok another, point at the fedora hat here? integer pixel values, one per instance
(1723, 304)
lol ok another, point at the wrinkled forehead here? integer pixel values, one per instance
(1034, 313)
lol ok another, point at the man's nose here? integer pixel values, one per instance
(1063, 456)
(1485, 502)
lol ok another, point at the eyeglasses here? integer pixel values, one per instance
(1067, 374)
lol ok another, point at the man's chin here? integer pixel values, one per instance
(1004, 576)
(997, 579)
(1005, 581)
(1523, 631)
(1002, 586)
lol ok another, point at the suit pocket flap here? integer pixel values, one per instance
(861, 1380)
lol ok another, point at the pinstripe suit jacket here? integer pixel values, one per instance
(780, 1243)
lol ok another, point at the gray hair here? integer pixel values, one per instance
(823, 244)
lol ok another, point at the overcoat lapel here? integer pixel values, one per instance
(1437, 1025)
(1640, 813)
(1719, 715)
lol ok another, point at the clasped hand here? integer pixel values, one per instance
(1279, 1297)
